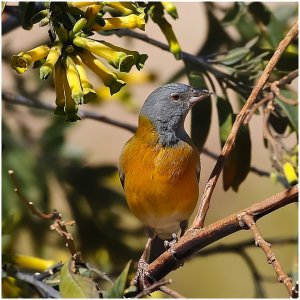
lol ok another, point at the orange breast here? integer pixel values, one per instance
(161, 185)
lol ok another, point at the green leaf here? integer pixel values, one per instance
(237, 165)
(201, 112)
(75, 286)
(233, 14)
(234, 56)
(291, 111)
(117, 290)
(243, 156)
(225, 114)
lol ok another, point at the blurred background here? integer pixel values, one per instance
(72, 168)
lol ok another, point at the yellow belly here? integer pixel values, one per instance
(161, 185)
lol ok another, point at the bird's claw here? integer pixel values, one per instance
(141, 279)
(169, 245)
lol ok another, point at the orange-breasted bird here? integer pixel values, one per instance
(160, 166)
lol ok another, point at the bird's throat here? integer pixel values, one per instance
(165, 133)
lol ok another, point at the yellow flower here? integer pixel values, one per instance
(88, 92)
(74, 80)
(126, 8)
(117, 59)
(71, 107)
(138, 58)
(23, 60)
(30, 262)
(131, 21)
(59, 89)
(170, 9)
(80, 4)
(167, 30)
(52, 58)
(109, 78)
(290, 173)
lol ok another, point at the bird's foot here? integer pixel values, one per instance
(169, 245)
(142, 277)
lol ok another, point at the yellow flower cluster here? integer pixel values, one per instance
(73, 50)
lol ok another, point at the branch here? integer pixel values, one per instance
(153, 287)
(209, 188)
(196, 238)
(171, 292)
(58, 225)
(288, 78)
(266, 247)
(18, 99)
(186, 57)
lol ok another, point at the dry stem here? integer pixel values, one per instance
(196, 239)
(209, 188)
(266, 247)
(58, 224)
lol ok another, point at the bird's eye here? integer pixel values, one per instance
(175, 97)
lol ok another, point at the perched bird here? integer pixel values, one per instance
(159, 166)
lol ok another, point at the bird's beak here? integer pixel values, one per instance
(198, 95)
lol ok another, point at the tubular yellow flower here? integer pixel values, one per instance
(290, 173)
(71, 107)
(170, 9)
(167, 30)
(131, 21)
(109, 78)
(88, 91)
(138, 58)
(59, 89)
(52, 58)
(80, 4)
(74, 80)
(117, 59)
(23, 60)
(79, 25)
(125, 8)
(30, 262)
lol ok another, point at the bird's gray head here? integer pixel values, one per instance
(167, 108)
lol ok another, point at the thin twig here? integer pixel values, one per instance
(21, 100)
(266, 247)
(171, 292)
(153, 287)
(209, 188)
(287, 79)
(58, 225)
(231, 81)
(196, 239)
(18, 99)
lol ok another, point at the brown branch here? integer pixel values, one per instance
(287, 79)
(18, 99)
(209, 188)
(266, 247)
(196, 239)
(153, 287)
(58, 225)
(171, 292)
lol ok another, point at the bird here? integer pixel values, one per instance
(159, 167)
